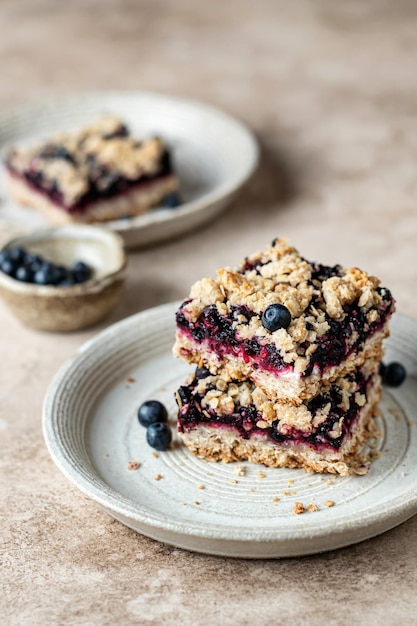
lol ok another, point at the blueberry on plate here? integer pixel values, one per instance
(159, 436)
(171, 201)
(276, 316)
(382, 369)
(395, 374)
(152, 411)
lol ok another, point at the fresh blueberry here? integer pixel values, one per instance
(57, 152)
(46, 275)
(152, 411)
(62, 153)
(17, 254)
(108, 181)
(159, 436)
(24, 274)
(171, 201)
(4, 256)
(81, 272)
(40, 277)
(276, 316)
(65, 278)
(62, 274)
(202, 372)
(35, 266)
(8, 267)
(395, 374)
(33, 260)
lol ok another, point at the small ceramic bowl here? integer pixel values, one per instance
(55, 308)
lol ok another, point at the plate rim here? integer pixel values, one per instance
(222, 193)
(401, 507)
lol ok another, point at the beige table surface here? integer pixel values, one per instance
(330, 90)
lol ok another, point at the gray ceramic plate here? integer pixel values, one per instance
(213, 153)
(92, 433)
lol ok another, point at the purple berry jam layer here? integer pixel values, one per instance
(337, 319)
(236, 421)
(73, 173)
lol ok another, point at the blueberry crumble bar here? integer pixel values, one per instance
(98, 173)
(236, 421)
(286, 324)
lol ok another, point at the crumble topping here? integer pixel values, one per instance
(354, 285)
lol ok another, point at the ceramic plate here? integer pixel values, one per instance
(213, 154)
(92, 433)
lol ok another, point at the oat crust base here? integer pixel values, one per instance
(214, 444)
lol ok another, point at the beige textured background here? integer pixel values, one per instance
(330, 89)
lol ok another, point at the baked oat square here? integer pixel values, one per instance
(235, 421)
(95, 174)
(287, 324)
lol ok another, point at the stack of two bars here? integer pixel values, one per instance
(287, 356)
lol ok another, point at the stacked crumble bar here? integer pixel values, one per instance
(95, 174)
(299, 395)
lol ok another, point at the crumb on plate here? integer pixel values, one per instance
(299, 508)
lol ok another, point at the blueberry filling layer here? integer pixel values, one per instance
(102, 182)
(218, 333)
(331, 432)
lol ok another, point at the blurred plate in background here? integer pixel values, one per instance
(213, 154)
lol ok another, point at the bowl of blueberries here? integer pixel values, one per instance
(63, 278)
